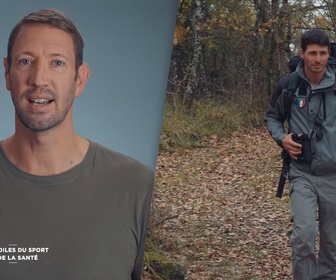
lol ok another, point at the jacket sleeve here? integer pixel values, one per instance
(276, 114)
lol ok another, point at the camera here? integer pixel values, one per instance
(306, 155)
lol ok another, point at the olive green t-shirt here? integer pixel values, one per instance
(87, 223)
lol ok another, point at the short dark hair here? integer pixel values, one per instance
(314, 36)
(55, 19)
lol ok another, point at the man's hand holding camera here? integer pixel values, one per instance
(298, 147)
(292, 147)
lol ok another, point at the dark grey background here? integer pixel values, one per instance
(128, 47)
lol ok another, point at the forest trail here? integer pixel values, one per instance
(216, 212)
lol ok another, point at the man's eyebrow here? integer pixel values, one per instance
(56, 54)
(59, 55)
(24, 53)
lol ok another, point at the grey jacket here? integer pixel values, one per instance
(309, 107)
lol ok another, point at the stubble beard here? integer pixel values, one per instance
(36, 122)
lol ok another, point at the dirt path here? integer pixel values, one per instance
(216, 213)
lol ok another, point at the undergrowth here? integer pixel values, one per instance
(190, 124)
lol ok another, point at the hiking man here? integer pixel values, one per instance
(69, 207)
(311, 145)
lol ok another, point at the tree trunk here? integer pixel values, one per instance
(196, 68)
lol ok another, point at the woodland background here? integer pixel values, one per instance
(235, 51)
(214, 211)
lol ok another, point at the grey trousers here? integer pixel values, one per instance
(311, 196)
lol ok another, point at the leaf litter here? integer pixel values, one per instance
(214, 209)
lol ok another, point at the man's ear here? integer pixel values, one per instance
(6, 66)
(83, 75)
(301, 53)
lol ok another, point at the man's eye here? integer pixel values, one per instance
(58, 63)
(24, 62)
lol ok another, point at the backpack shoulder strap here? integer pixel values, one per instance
(292, 85)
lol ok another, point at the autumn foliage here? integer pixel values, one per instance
(215, 212)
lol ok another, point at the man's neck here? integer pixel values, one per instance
(314, 78)
(45, 153)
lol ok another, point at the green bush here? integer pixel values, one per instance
(189, 125)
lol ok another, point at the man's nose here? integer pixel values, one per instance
(39, 75)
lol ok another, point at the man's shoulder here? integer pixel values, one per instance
(280, 89)
(284, 81)
(110, 159)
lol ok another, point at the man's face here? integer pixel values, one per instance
(315, 58)
(42, 76)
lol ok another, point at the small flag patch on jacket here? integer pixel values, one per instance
(301, 102)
